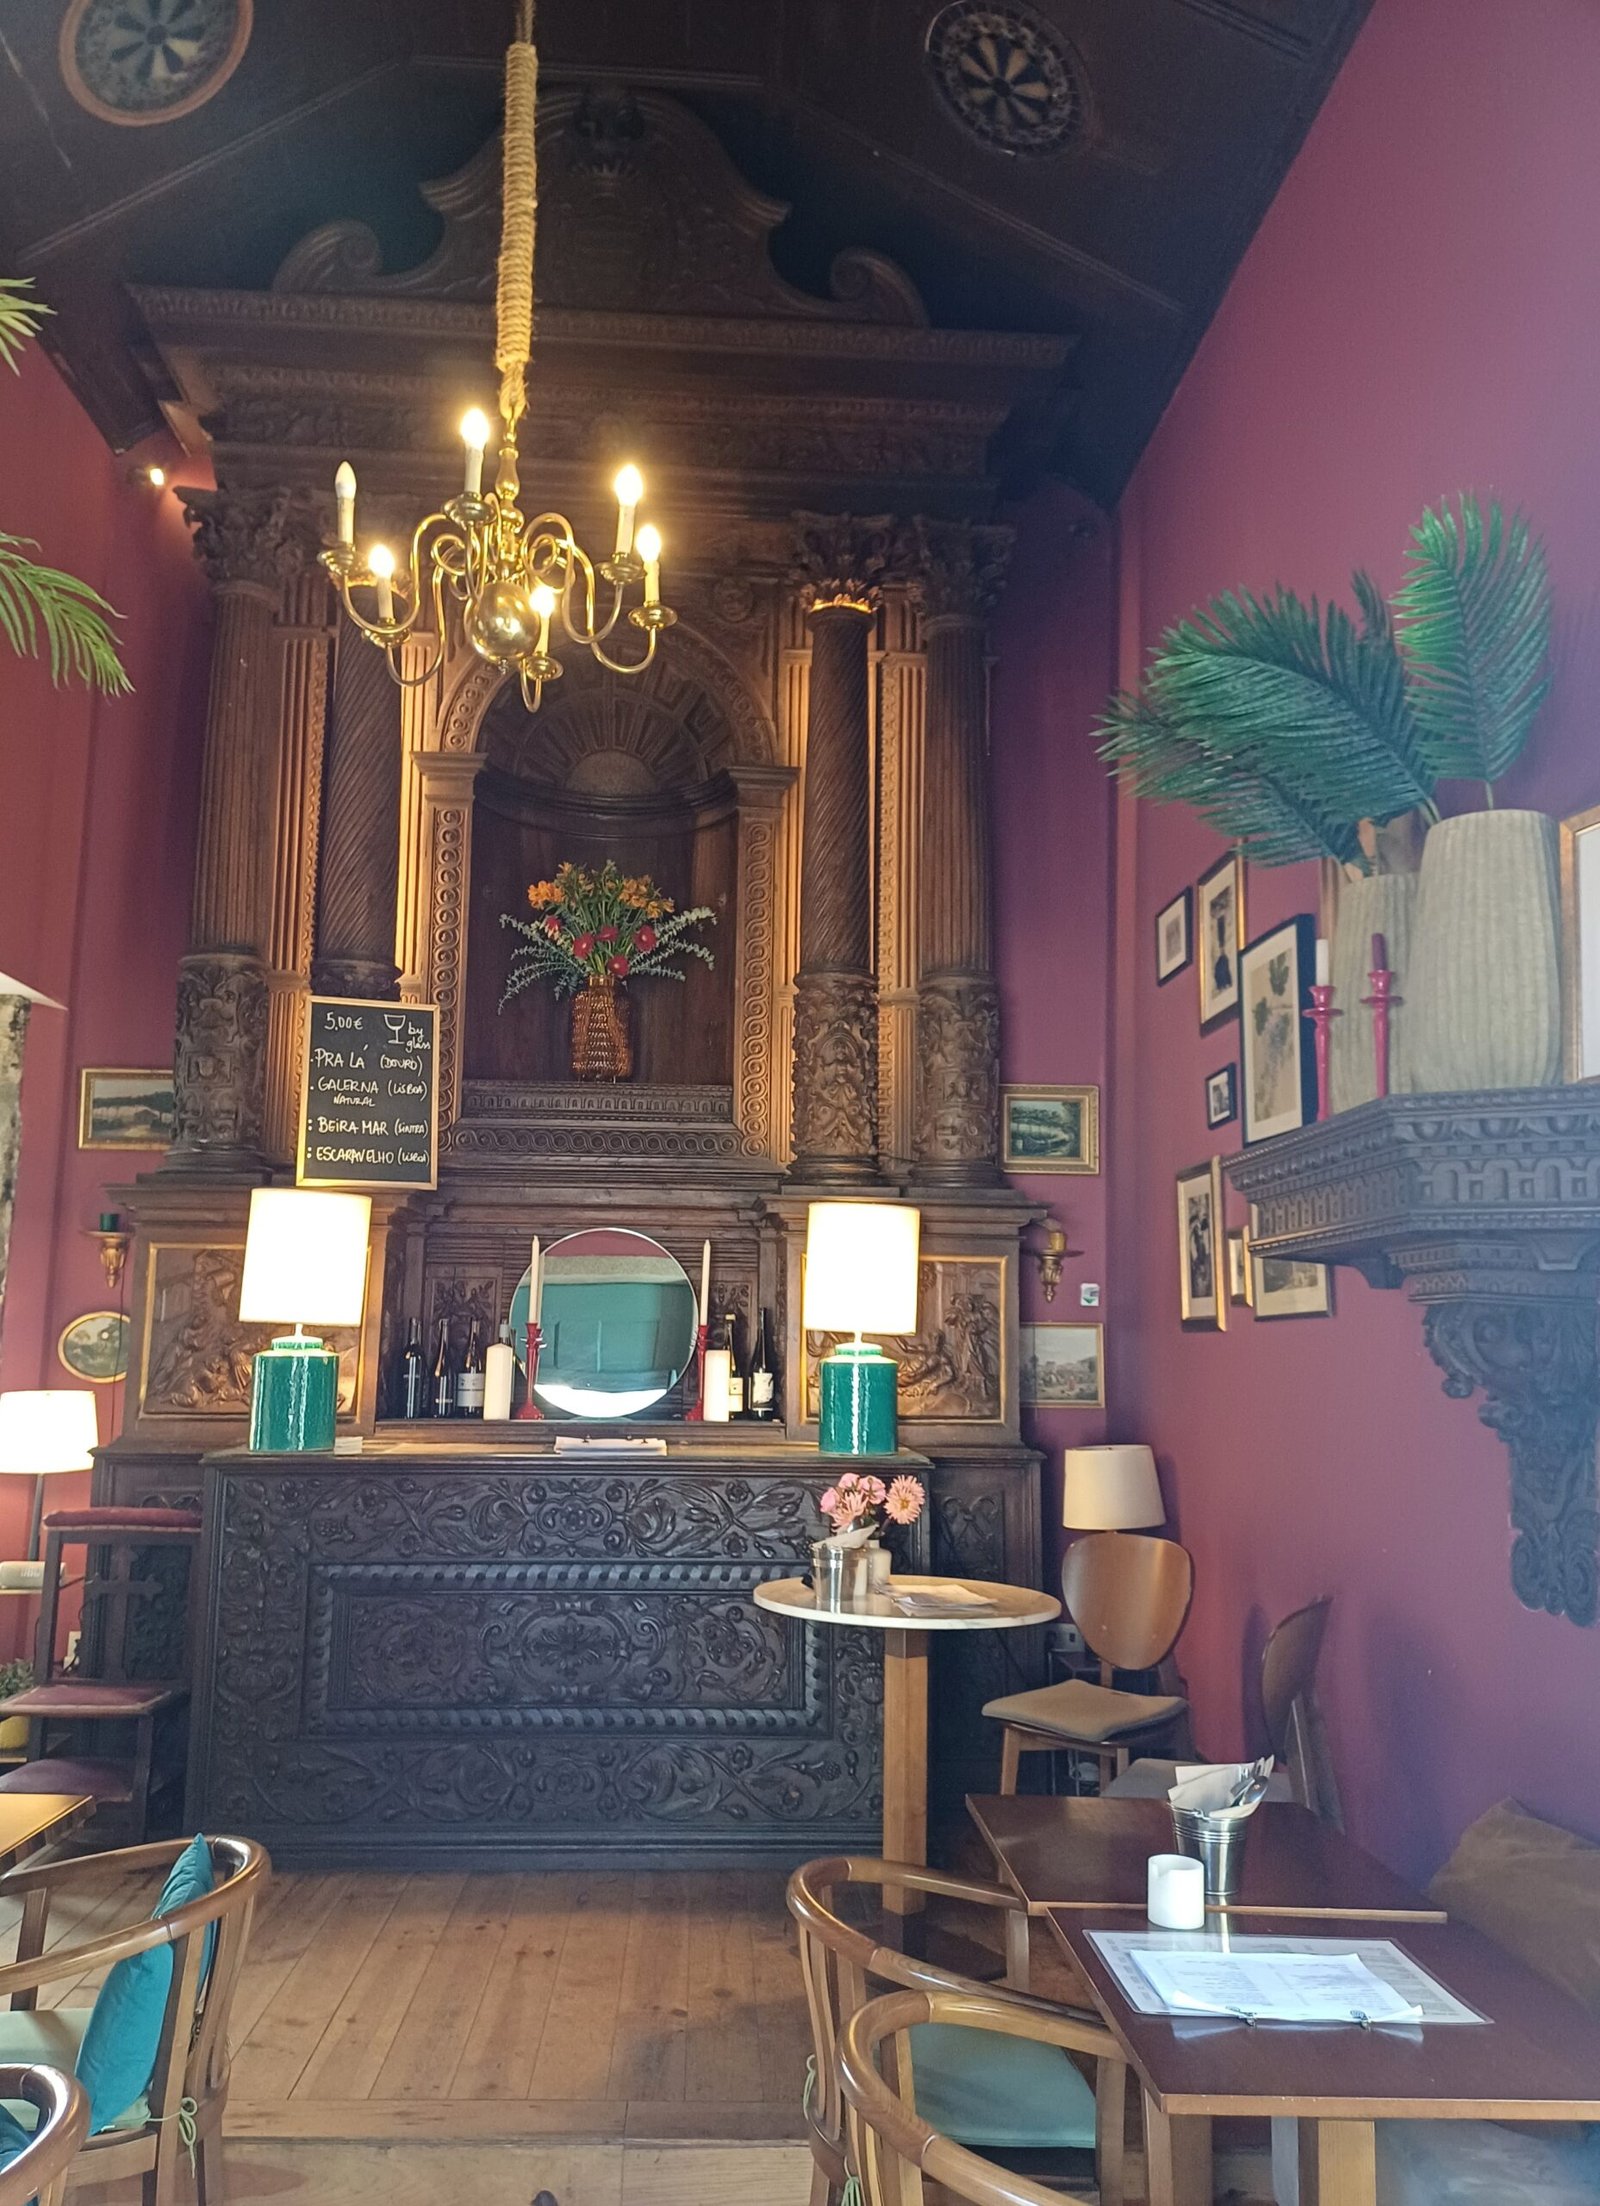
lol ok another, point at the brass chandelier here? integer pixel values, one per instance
(479, 560)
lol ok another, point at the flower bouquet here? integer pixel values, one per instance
(860, 1506)
(598, 929)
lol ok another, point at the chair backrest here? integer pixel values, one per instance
(891, 2147)
(1289, 1703)
(1128, 1594)
(40, 2171)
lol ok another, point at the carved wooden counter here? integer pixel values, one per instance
(484, 1651)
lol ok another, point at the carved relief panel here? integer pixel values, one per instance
(951, 1368)
(196, 1357)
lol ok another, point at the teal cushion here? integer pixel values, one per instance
(1481, 2164)
(1008, 2093)
(124, 2033)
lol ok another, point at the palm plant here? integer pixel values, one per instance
(1293, 729)
(35, 600)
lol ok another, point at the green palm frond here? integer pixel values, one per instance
(1273, 821)
(75, 620)
(19, 317)
(1302, 697)
(1474, 624)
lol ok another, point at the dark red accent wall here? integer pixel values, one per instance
(1419, 314)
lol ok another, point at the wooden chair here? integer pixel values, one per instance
(1294, 1724)
(135, 1722)
(190, 2077)
(893, 2146)
(1040, 2106)
(1128, 1594)
(40, 2172)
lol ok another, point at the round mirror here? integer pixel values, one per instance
(618, 1317)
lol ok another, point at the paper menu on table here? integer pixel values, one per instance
(1276, 1987)
(938, 1597)
(1123, 1953)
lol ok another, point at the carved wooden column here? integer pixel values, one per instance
(251, 543)
(358, 870)
(305, 650)
(842, 560)
(959, 572)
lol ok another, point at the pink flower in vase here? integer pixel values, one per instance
(904, 1501)
(646, 939)
(607, 934)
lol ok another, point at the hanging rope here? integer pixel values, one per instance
(513, 305)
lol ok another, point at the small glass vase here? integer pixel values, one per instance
(602, 1045)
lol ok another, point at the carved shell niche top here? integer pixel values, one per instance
(150, 61)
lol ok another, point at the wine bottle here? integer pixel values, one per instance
(736, 1369)
(414, 1375)
(444, 1375)
(469, 1388)
(761, 1386)
(499, 1376)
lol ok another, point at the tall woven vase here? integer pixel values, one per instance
(1485, 978)
(602, 1046)
(1378, 904)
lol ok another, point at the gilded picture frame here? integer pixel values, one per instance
(1219, 939)
(1202, 1253)
(125, 1107)
(1044, 1129)
(1580, 944)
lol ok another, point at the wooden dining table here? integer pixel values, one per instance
(29, 1820)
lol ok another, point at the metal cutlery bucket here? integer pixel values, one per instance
(1217, 1843)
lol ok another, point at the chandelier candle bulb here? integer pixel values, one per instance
(344, 498)
(475, 436)
(629, 487)
(650, 552)
(380, 560)
(543, 600)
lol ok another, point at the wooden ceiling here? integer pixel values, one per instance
(1177, 120)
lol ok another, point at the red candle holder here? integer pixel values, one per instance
(530, 1409)
(1380, 1003)
(695, 1414)
(1322, 1018)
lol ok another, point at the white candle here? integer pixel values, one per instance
(704, 1317)
(543, 600)
(474, 435)
(716, 1396)
(344, 498)
(650, 553)
(1322, 961)
(381, 561)
(629, 487)
(1176, 1892)
(535, 1285)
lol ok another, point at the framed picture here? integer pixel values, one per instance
(1580, 942)
(1238, 1271)
(1050, 1129)
(1202, 1297)
(1222, 1095)
(1063, 1367)
(1285, 1287)
(95, 1347)
(1174, 937)
(1278, 1073)
(1219, 931)
(123, 1109)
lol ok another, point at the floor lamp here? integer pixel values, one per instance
(43, 1431)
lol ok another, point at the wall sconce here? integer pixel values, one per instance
(1050, 1254)
(115, 1242)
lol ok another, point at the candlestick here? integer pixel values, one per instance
(703, 1312)
(530, 1409)
(1381, 1001)
(1322, 1018)
(695, 1413)
(535, 1284)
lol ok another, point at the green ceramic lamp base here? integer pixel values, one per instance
(294, 1398)
(858, 1415)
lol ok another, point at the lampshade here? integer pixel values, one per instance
(1111, 1489)
(305, 1257)
(48, 1429)
(861, 1268)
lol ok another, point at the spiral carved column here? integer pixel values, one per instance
(842, 560)
(358, 870)
(959, 571)
(251, 543)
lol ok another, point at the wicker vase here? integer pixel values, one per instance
(602, 1047)
(1383, 904)
(1485, 978)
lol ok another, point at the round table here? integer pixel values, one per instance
(905, 1686)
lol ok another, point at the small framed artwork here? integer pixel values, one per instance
(95, 1347)
(1202, 1297)
(1286, 1287)
(1222, 1095)
(1063, 1367)
(123, 1109)
(1580, 942)
(1238, 1271)
(1174, 937)
(1277, 1066)
(1219, 931)
(1050, 1129)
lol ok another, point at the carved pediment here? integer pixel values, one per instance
(640, 210)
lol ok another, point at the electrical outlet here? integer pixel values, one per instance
(1066, 1638)
(1089, 1295)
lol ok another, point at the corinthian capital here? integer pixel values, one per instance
(957, 568)
(842, 558)
(260, 537)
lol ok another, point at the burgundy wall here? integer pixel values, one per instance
(96, 852)
(1419, 314)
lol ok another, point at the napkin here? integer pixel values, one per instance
(1219, 1788)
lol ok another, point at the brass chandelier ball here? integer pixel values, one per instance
(502, 625)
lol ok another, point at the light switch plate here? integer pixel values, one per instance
(1089, 1295)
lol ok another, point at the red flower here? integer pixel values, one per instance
(608, 934)
(552, 927)
(646, 939)
(582, 945)
(617, 965)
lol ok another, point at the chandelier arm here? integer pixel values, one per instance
(419, 679)
(616, 666)
(378, 631)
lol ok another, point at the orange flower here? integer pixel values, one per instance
(542, 893)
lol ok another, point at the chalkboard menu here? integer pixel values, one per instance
(369, 1111)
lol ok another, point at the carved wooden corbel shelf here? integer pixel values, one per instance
(1486, 1207)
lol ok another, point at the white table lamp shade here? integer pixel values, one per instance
(1111, 1489)
(48, 1429)
(305, 1257)
(861, 1267)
